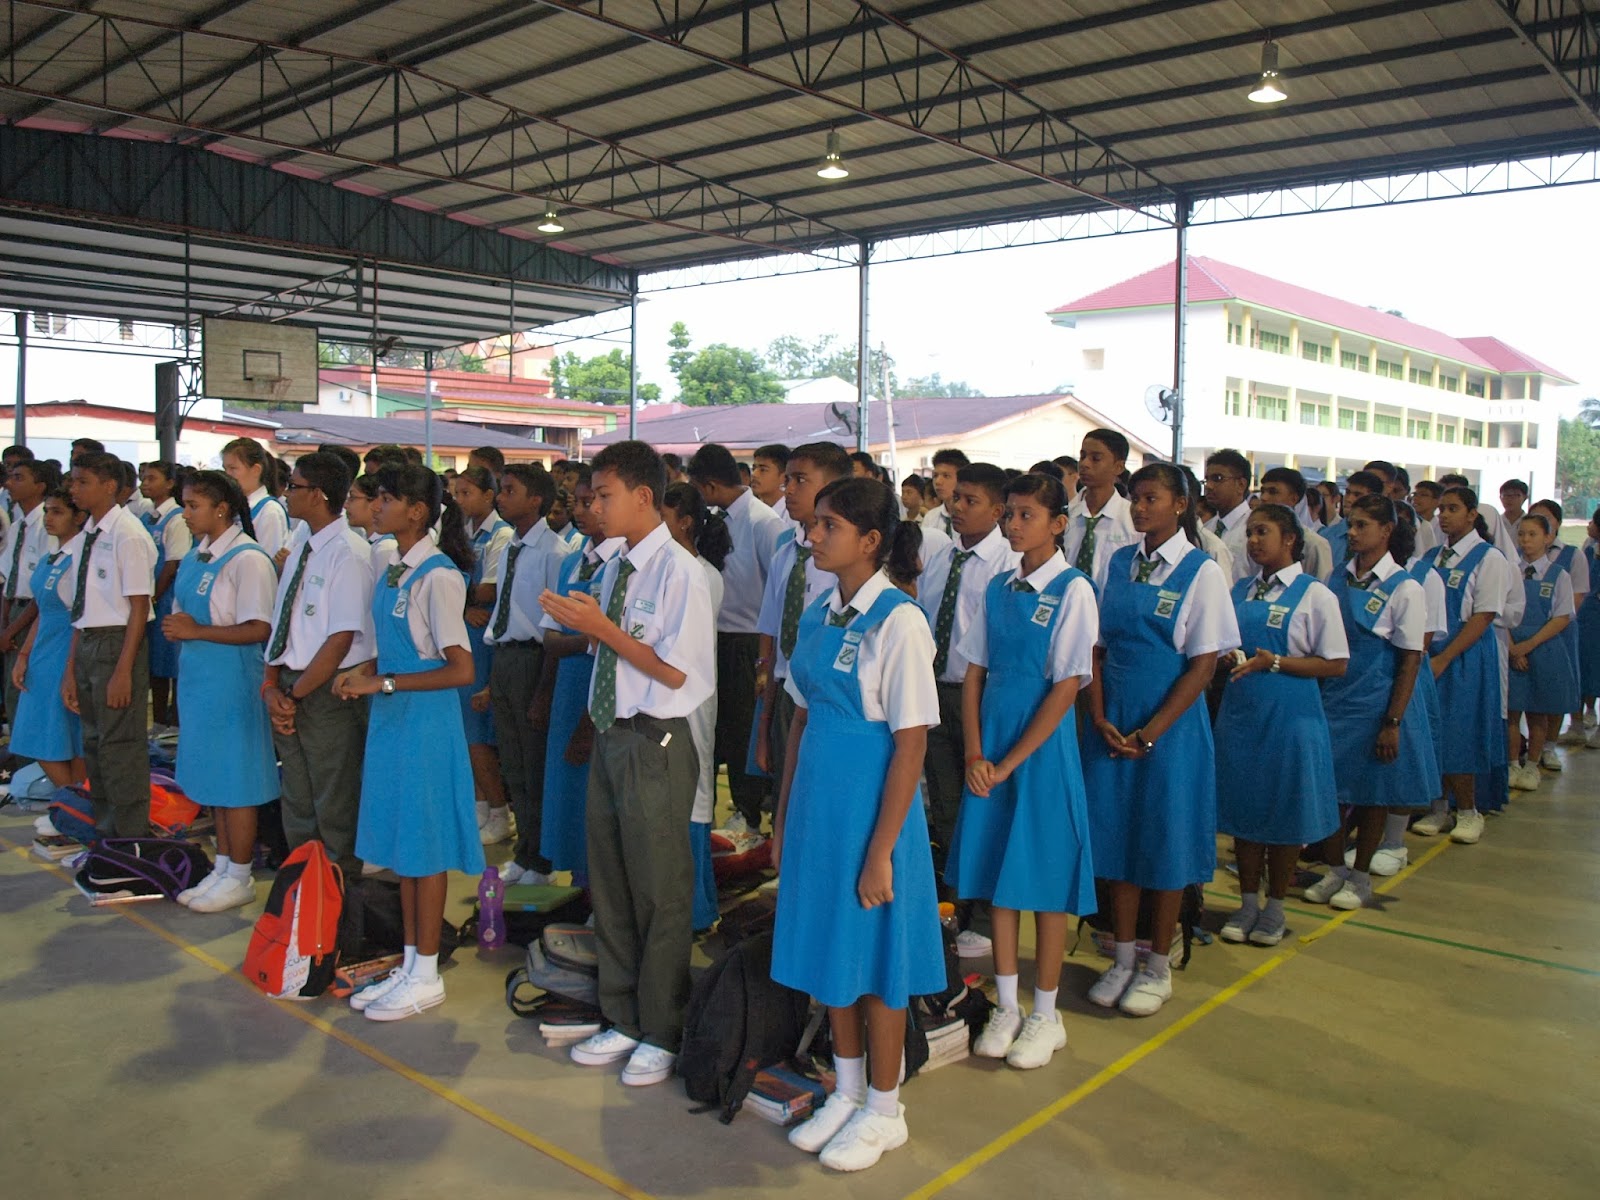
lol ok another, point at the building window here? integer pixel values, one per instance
(1094, 360)
(1422, 429)
(1235, 334)
(1390, 370)
(125, 329)
(1276, 343)
(1450, 383)
(1472, 435)
(53, 323)
(1386, 425)
(1447, 433)
(1424, 377)
(1475, 388)
(1271, 408)
(1316, 414)
(1353, 418)
(1316, 352)
(1232, 403)
(1351, 361)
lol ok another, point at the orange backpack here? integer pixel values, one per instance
(293, 951)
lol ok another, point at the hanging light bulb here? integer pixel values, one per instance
(833, 162)
(1268, 91)
(551, 223)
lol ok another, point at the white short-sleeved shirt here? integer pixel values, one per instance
(1579, 571)
(755, 530)
(245, 589)
(991, 556)
(1318, 557)
(937, 519)
(489, 554)
(139, 506)
(894, 666)
(1077, 628)
(1316, 629)
(1434, 594)
(1217, 551)
(1427, 536)
(176, 539)
(1561, 604)
(122, 564)
(602, 553)
(770, 623)
(1487, 589)
(1205, 622)
(538, 568)
(335, 596)
(1403, 623)
(668, 608)
(25, 543)
(271, 523)
(1112, 532)
(436, 612)
(1235, 525)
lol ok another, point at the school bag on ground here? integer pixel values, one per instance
(143, 866)
(294, 949)
(371, 924)
(938, 1009)
(526, 922)
(26, 785)
(562, 962)
(73, 815)
(1191, 918)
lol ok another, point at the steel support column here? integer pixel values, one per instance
(427, 408)
(1180, 319)
(863, 350)
(19, 424)
(633, 358)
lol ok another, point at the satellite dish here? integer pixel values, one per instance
(1161, 403)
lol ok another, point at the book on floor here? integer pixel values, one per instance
(784, 1096)
(53, 847)
(99, 899)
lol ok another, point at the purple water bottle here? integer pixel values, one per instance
(491, 911)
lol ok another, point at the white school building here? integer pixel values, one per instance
(1294, 377)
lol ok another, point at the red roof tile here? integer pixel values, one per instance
(1510, 361)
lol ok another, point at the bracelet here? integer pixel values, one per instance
(974, 758)
(1277, 661)
(1145, 743)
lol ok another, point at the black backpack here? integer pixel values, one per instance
(738, 1022)
(938, 1009)
(1191, 918)
(371, 924)
(143, 866)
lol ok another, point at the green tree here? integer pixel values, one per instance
(472, 363)
(1589, 411)
(792, 358)
(603, 379)
(934, 385)
(1578, 461)
(722, 374)
(678, 343)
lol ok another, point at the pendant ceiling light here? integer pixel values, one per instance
(833, 162)
(1269, 90)
(551, 223)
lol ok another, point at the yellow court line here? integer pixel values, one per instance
(1050, 1112)
(1387, 886)
(528, 1138)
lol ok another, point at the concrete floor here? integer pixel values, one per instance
(1442, 1045)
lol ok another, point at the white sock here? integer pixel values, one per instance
(1360, 878)
(425, 968)
(409, 959)
(1006, 987)
(1274, 909)
(1394, 831)
(1249, 904)
(1159, 965)
(239, 871)
(1044, 1003)
(483, 811)
(850, 1077)
(1125, 952)
(885, 1104)
(221, 865)
(1440, 806)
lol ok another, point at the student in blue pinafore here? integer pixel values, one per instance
(44, 729)
(159, 482)
(1022, 833)
(220, 621)
(1542, 681)
(1148, 758)
(475, 490)
(1589, 633)
(1384, 756)
(248, 462)
(564, 694)
(419, 822)
(1570, 561)
(1466, 663)
(1275, 789)
(858, 919)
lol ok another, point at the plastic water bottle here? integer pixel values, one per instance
(491, 911)
(947, 917)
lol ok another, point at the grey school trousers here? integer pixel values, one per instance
(116, 741)
(641, 874)
(513, 681)
(322, 761)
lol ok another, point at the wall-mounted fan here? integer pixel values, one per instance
(1161, 403)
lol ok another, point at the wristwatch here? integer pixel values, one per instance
(1391, 722)
(388, 685)
(1277, 662)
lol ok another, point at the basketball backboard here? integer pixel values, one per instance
(258, 360)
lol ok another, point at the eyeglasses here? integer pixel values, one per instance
(1221, 477)
(302, 487)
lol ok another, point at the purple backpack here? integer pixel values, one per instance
(143, 866)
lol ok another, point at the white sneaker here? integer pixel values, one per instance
(648, 1064)
(1385, 861)
(604, 1048)
(1238, 927)
(1146, 994)
(511, 874)
(45, 827)
(1593, 740)
(866, 1137)
(1469, 827)
(1351, 896)
(1268, 929)
(824, 1125)
(483, 812)
(1109, 987)
(226, 893)
(1550, 760)
(375, 992)
(1325, 888)
(496, 827)
(972, 944)
(1523, 778)
(406, 999)
(204, 885)
(1042, 1035)
(1434, 824)
(1573, 736)
(999, 1031)
(736, 824)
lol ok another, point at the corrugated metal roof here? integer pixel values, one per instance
(309, 428)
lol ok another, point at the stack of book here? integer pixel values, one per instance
(562, 1023)
(53, 847)
(784, 1096)
(950, 1042)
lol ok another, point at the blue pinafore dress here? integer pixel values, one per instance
(1025, 846)
(1473, 740)
(1549, 685)
(563, 829)
(234, 765)
(1426, 690)
(1355, 704)
(163, 654)
(1274, 759)
(750, 765)
(824, 942)
(478, 726)
(43, 729)
(1338, 535)
(418, 814)
(1588, 624)
(1152, 820)
(1569, 635)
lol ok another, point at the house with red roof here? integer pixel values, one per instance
(1295, 377)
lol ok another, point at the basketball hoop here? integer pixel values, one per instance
(278, 386)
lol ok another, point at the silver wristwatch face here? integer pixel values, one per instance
(388, 685)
